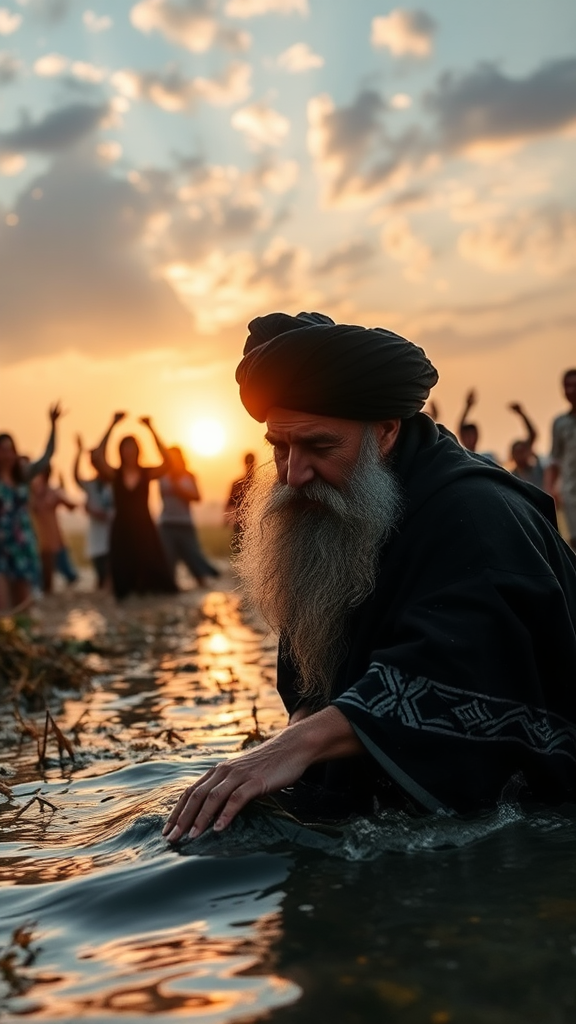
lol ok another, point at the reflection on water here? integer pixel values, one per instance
(422, 921)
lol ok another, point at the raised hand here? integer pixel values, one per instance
(471, 398)
(118, 416)
(145, 420)
(516, 407)
(55, 412)
(79, 443)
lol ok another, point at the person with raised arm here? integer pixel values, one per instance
(138, 562)
(19, 558)
(178, 489)
(525, 463)
(54, 554)
(100, 511)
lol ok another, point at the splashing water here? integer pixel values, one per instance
(429, 919)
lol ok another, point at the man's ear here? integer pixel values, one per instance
(386, 432)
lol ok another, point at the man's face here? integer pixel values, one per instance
(309, 447)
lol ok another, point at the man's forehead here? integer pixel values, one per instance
(294, 422)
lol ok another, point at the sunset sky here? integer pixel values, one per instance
(170, 169)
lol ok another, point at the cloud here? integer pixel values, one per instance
(399, 241)
(191, 23)
(542, 239)
(252, 8)
(400, 101)
(75, 274)
(173, 91)
(213, 206)
(275, 175)
(478, 327)
(51, 11)
(87, 72)
(475, 115)
(56, 131)
(487, 109)
(50, 65)
(299, 57)
(404, 33)
(9, 67)
(109, 151)
(9, 22)
(353, 154)
(96, 23)
(11, 164)
(230, 288)
(349, 256)
(261, 125)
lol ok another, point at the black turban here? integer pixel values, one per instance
(310, 364)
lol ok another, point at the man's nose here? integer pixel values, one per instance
(299, 470)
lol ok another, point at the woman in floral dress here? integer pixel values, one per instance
(19, 562)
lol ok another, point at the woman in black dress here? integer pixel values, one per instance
(137, 560)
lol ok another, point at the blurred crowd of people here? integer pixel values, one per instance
(130, 553)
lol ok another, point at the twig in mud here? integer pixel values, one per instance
(40, 800)
(62, 741)
(77, 728)
(26, 728)
(255, 735)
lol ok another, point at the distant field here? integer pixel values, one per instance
(215, 541)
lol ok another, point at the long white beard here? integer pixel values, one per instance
(309, 555)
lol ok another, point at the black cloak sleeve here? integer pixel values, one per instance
(469, 643)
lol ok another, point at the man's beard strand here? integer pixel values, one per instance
(309, 556)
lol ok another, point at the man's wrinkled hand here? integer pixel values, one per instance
(223, 791)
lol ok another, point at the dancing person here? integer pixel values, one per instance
(19, 558)
(233, 507)
(469, 433)
(100, 511)
(560, 478)
(178, 489)
(138, 562)
(424, 599)
(525, 463)
(54, 554)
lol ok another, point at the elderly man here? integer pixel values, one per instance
(425, 602)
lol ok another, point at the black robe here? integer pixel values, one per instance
(460, 671)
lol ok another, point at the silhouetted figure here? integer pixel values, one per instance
(468, 432)
(100, 510)
(232, 509)
(560, 477)
(54, 555)
(525, 463)
(138, 562)
(177, 530)
(19, 558)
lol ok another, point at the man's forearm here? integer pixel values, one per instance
(327, 735)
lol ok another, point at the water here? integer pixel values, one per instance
(422, 921)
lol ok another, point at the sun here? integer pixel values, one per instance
(207, 437)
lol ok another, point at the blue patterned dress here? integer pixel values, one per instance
(18, 549)
(19, 558)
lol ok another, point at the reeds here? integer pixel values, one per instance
(32, 669)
